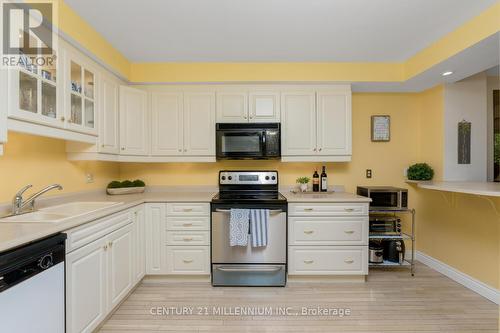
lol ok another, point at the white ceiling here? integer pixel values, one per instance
(274, 30)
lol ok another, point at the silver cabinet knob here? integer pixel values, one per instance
(185, 150)
(123, 148)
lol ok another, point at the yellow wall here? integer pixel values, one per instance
(42, 161)
(458, 229)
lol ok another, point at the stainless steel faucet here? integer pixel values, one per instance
(18, 204)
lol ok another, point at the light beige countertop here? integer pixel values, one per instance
(490, 189)
(13, 234)
(324, 197)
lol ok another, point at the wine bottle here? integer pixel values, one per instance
(324, 181)
(315, 181)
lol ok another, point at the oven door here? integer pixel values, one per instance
(273, 253)
(240, 144)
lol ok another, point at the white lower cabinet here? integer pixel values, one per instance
(178, 238)
(101, 271)
(86, 276)
(328, 239)
(139, 220)
(120, 264)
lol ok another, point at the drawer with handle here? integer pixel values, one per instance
(328, 230)
(328, 260)
(188, 223)
(188, 260)
(188, 238)
(182, 209)
(327, 209)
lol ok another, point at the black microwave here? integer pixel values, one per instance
(385, 197)
(248, 141)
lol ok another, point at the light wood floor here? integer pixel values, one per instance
(391, 301)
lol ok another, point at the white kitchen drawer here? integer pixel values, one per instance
(84, 234)
(327, 209)
(188, 223)
(328, 260)
(328, 230)
(192, 209)
(188, 238)
(188, 260)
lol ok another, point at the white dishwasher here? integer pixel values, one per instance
(32, 287)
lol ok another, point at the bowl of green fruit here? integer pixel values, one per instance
(126, 187)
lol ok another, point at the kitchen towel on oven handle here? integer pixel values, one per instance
(238, 227)
(259, 226)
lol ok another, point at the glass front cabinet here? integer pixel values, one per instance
(80, 98)
(60, 96)
(34, 92)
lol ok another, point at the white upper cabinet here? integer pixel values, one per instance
(334, 123)
(264, 107)
(298, 123)
(199, 124)
(183, 123)
(232, 106)
(109, 132)
(253, 105)
(166, 121)
(134, 122)
(317, 125)
(81, 97)
(35, 93)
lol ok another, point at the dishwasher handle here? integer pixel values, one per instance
(256, 269)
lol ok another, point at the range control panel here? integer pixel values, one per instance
(248, 178)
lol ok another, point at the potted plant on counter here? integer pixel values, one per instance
(126, 187)
(303, 181)
(420, 171)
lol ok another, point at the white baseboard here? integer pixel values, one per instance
(467, 281)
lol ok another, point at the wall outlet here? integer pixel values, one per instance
(89, 178)
(405, 172)
(368, 173)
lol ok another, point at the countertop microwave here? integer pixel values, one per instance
(385, 197)
(257, 141)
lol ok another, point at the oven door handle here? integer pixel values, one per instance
(249, 269)
(272, 211)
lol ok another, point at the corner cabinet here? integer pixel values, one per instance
(316, 125)
(109, 130)
(134, 122)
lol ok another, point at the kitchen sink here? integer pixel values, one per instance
(79, 207)
(56, 214)
(35, 217)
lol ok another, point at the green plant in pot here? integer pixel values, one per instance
(420, 171)
(303, 181)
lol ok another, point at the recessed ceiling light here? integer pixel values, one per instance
(447, 73)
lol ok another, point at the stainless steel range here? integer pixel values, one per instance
(249, 265)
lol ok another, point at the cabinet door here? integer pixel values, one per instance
(156, 216)
(81, 108)
(86, 274)
(120, 264)
(334, 123)
(264, 107)
(35, 92)
(109, 129)
(139, 244)
(298, 123)
(232, 106)
(134, 121)
(3, 106)
(166, 122)
(199, 124)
